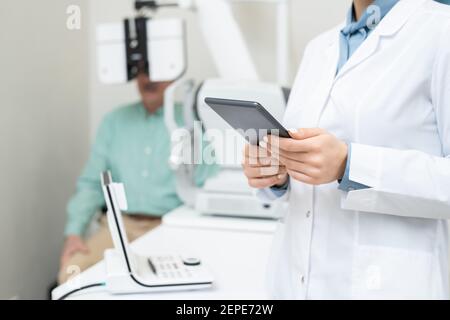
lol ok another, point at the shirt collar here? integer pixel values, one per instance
(368, 20)
(158, 113)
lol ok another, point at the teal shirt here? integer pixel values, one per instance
(135, 146)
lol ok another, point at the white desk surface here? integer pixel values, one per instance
(237, 260)
(187, 217)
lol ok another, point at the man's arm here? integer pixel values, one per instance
(88, 198)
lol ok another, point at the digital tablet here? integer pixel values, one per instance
(250, 118)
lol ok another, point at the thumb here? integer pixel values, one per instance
(305, 133)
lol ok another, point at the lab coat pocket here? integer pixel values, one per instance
(391, 273)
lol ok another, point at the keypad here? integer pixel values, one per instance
(170, 267)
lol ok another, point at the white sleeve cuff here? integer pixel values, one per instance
(365, 164)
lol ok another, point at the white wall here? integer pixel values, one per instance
(308, 18)
(43, 138)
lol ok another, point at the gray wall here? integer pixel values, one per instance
(43, 137)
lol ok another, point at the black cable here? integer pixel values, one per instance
(82, 288)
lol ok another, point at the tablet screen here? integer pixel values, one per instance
(249, 118)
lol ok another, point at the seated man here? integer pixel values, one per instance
(134, 144)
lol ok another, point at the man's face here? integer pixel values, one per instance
(152, 93)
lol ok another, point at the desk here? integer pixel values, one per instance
(236, 258)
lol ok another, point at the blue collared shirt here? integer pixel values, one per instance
(356, 32)
(351, 38)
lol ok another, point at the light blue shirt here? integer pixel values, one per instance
(356, 32)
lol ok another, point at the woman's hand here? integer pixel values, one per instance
(312, 156)
(262, 170)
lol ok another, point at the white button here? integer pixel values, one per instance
(145, 174)
(148, 151)
(308, 214)
(302, 278)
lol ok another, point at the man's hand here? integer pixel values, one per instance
(72, 245)
(262, 170)
(312, 156)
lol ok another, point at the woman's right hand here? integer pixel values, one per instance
(262, 170)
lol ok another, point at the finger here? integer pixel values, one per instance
(252, 151)
(265, 182)
(256, 172)
(301, 177)
(305, 157)
(255, 155)
(261, 172)
(275, 144)
(302, 167)
(308, 158)
(305, 133)
(270, 142)
(309, 163)
(270, 171)
(260, 162)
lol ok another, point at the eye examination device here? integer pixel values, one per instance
(155, 47)
(128, 272)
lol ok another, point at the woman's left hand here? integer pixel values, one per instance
(312, 156)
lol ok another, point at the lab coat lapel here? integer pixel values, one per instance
(391, 23)
(325, 84)
(367, 49)
(389, 26)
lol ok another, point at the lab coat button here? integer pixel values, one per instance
(308, 214)
(302, 279)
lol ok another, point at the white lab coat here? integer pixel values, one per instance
(392, 102)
